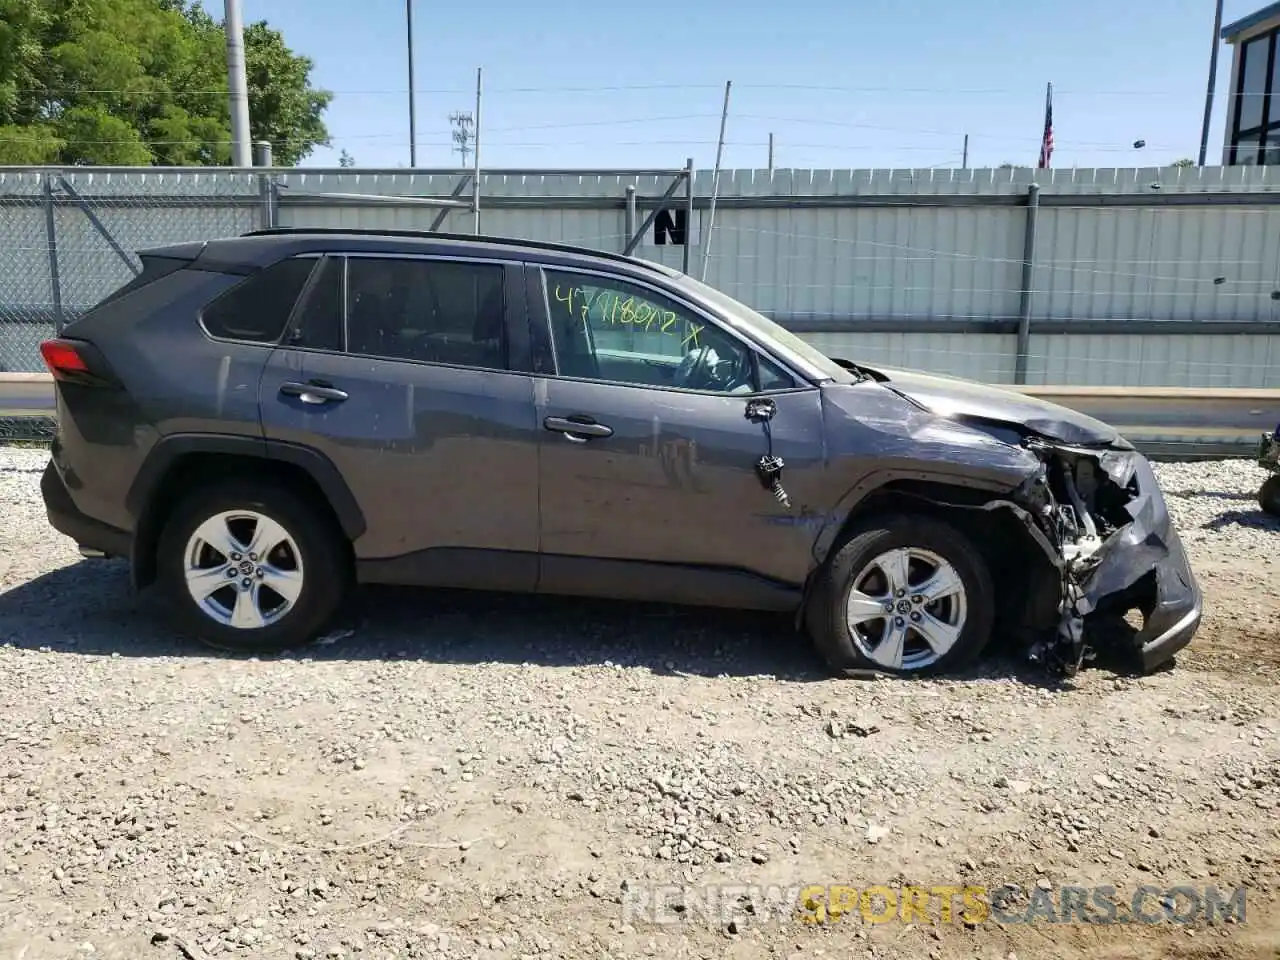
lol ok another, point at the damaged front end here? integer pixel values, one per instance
(1101, 519)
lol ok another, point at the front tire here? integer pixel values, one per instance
(251, 568)
(1269, 495)
(904, 594)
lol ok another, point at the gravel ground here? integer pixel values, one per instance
(470, 776)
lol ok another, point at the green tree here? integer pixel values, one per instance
(1184, 162)
(143, 82)
(346, 160)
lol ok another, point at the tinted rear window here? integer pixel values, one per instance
(258, 309)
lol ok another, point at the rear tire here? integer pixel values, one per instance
(251, 567)
(904, 594)
(1269, 495)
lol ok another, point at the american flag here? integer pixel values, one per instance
(1046, 141)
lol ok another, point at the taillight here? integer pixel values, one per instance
(76, 361)
(63, 359)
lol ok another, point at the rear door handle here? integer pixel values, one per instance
(313, 392)
(579, 430)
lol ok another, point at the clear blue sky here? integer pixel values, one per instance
(839, 84)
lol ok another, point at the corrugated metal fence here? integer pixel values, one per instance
(1161, 277)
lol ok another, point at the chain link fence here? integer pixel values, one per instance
(70, 238)
(1098, 278)
(26, 307)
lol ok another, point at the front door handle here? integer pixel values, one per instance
(313, 392)
(579, 430)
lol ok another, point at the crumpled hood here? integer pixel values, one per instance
(967, 399)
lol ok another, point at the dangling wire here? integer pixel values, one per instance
(768, 467)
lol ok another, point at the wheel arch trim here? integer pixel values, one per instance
(170, 449)
(879, 480)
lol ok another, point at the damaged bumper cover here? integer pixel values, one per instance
(1175, 619)
(1117, 550)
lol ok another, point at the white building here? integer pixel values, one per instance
(1253, 114)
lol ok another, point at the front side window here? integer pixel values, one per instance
(435, 311)
(603, 328)
(258, 308)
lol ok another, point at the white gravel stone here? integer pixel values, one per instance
(478, 776)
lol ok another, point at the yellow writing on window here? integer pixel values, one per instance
(615, 309)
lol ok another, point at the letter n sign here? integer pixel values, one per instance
(671, 229)
(666, 230)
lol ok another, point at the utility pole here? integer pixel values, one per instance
(475, 173)
(413, 126)
(462, 124)
(237, 85)
(771, 153)
(1213, 80)
(964, 159)
(715, 183)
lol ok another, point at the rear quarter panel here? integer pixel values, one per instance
(176, 380)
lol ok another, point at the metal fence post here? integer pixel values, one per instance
(638, 235)
(51, 234)
(1028, 278)
(629, 222)
(688, 211)
(262, 158)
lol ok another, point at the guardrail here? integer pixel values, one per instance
(1182, 422)
(26, 395)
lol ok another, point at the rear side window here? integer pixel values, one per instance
(436, 311)
(258, 309)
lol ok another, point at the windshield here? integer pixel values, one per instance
(767, 330)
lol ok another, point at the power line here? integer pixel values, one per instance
(625, 88)
(397, 140)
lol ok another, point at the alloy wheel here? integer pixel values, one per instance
(906, 609)
(243, 569)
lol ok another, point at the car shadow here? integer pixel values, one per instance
(87, 608)
(1255, 519)
(1209, 495)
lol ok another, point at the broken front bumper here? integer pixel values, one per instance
(1144, 561)
(1174, 620)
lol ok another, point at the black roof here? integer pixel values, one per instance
(260, 248)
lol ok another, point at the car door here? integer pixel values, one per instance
(648, 479)
(401, 372)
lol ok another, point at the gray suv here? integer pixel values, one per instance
(260, 422)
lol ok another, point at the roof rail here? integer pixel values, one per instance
(472, 237)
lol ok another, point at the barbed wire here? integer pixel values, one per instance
(977, 134)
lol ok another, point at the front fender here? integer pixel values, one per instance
(877, 438)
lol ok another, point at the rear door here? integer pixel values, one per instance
(648, 478)
(403, 372)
